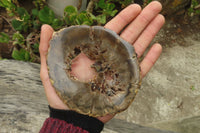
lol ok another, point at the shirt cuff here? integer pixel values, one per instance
(91, 124)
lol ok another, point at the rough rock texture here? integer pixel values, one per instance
(184, 125)
(121, 126)
(171, 90)
(23, 106)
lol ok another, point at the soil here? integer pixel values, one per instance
(177, 29)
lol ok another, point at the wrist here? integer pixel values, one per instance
(91, 124)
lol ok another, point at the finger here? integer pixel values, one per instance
(46, 33)
(132, 32)
(123, 18)
(149, 33)
(150, 59)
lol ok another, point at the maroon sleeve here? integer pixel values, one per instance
(53, 125)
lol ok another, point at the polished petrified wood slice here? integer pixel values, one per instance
(117, 77)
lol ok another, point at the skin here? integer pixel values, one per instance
(133, 24)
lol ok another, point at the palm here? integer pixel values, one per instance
(142, 27)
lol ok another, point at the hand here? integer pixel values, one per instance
(142, 27)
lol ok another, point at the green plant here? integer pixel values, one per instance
(21, 54)
(105, 9)
(47, 16)
(30, 44)
(18, 39)
(29, 47)
(39, 4)
(23, 22)
(4, 38)
(192, 10)
(72, 17)
(9, 6)
(192, 88)
(27, 23)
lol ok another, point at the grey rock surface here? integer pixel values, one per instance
(184, 125)
(121, 126)
(23, 106)
(171, 89)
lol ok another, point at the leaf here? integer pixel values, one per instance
(46, 15)
(4, 38)
(87, 23)
(101, 19)
(23, 14)
(84, 19)
(36, 24)
(70, 19)
(17, 25)
(112, 14)
(18, 39)
(110, 6)
(35, 12)
(21, 54)
(81, 18)
(101, 4)
(109, 11)
(7, 4)
(26, 56)
(70, 15)
(197, 11)
(57, 23)
(35, 47)
(92, 16)
(192, 88)
(11, 14)
(70, 10)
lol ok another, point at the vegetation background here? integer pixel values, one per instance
(20, 21)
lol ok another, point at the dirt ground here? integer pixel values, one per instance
(177, 29)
